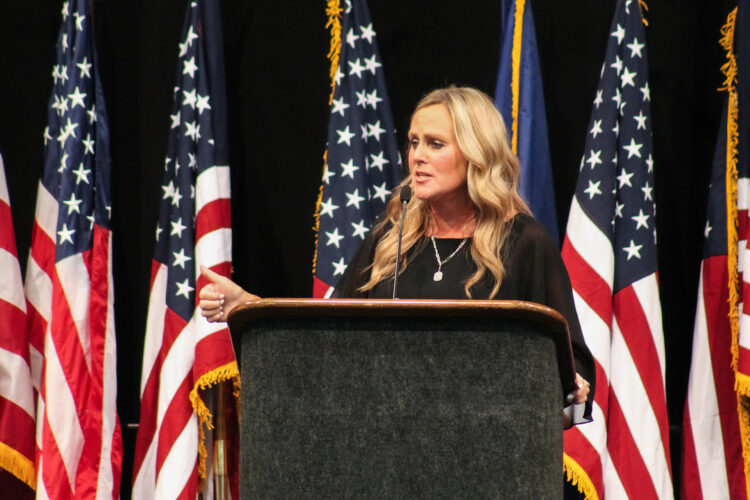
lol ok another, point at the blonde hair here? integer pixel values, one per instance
(492, 183)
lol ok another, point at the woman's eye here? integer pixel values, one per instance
(436, 145)
(413, 144)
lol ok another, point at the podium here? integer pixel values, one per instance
(401, 398)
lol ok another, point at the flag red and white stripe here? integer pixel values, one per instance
(16, 390)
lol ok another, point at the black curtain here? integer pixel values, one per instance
(277, 75)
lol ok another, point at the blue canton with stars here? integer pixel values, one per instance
(76, 140)
(363, 162)
(715, 232)
(197, 141)
(616, 181)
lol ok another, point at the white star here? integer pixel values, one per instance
(619, 33)
(650, 163)
(63, 163)
(168, 190)
(617, 97)
(378, 161)
(327, 174)
(327, 207)
(183, 48)
(85, 68)
(65, 234)
(647, 192)
(349, 168)
(339, 106)
(79, 21)
(376, 130)
(624, 178)
(65, 11)
(63, 74)
(191, 35)
(339, 76)
(334, 237)
(618, 209)
(47, 137)
(641, 220)
(92, 114)
(365, 132)
(65, 42)
(617, 64)
(633, 250)
(177, 228)
(82, 174)
(593, 189)
(372, 64)
(175, 119)
(70, 129)
(373, 99)
(180, 258)
(627, 77)
(707, 230)
(351, 38)
(189, 98)
(367, 33)
(596, 129)
(73, 204)
(189, 67)
(355, 68)
(339, 267)
(362, 98)
(635, 48)
(633, 149)
(192, 162)
(646, 92)
(381, 192)
(616, 130)
(159, 230)
(598, 100)
(176, 197)
(202, 103)
(359, 229)
(353, 199)
(88, 144)
(641, 119)
(184, 289)
(345, 136)
(62, 137)
(192, 130)
(594, 158)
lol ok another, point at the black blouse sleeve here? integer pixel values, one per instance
(536, 267)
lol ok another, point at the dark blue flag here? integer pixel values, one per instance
(520, 98)
(362, 162)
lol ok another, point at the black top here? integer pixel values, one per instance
(534, 272)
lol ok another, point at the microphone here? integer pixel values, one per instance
(405, 197)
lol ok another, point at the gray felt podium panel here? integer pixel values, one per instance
(412, 402)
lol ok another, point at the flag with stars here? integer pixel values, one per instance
(520, 98)
(16, 389)
(69, 289)
(362, 161)
(610, 253)
(184, 355)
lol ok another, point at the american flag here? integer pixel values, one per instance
(712, 461)
(362, 163)
(610, 253)
(69, 281)
(184, 354)
(16, 390)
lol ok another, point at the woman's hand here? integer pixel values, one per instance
(220, 296)
(580, 395)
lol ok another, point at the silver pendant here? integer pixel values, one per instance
(437, 276)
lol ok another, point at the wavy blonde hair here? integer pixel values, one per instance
(492, 183)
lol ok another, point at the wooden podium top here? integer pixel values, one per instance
(545, 316)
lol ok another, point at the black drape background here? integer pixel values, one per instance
(277, 75)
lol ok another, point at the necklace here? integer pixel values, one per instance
(439, 273)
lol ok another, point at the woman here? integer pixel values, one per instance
(467, 232)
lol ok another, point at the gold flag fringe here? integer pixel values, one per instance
(741, 381)
(643, 7)
(216, 376)
(18, 465)
(516, 61)
(578, 478)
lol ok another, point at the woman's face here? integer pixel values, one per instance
(437, 166)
